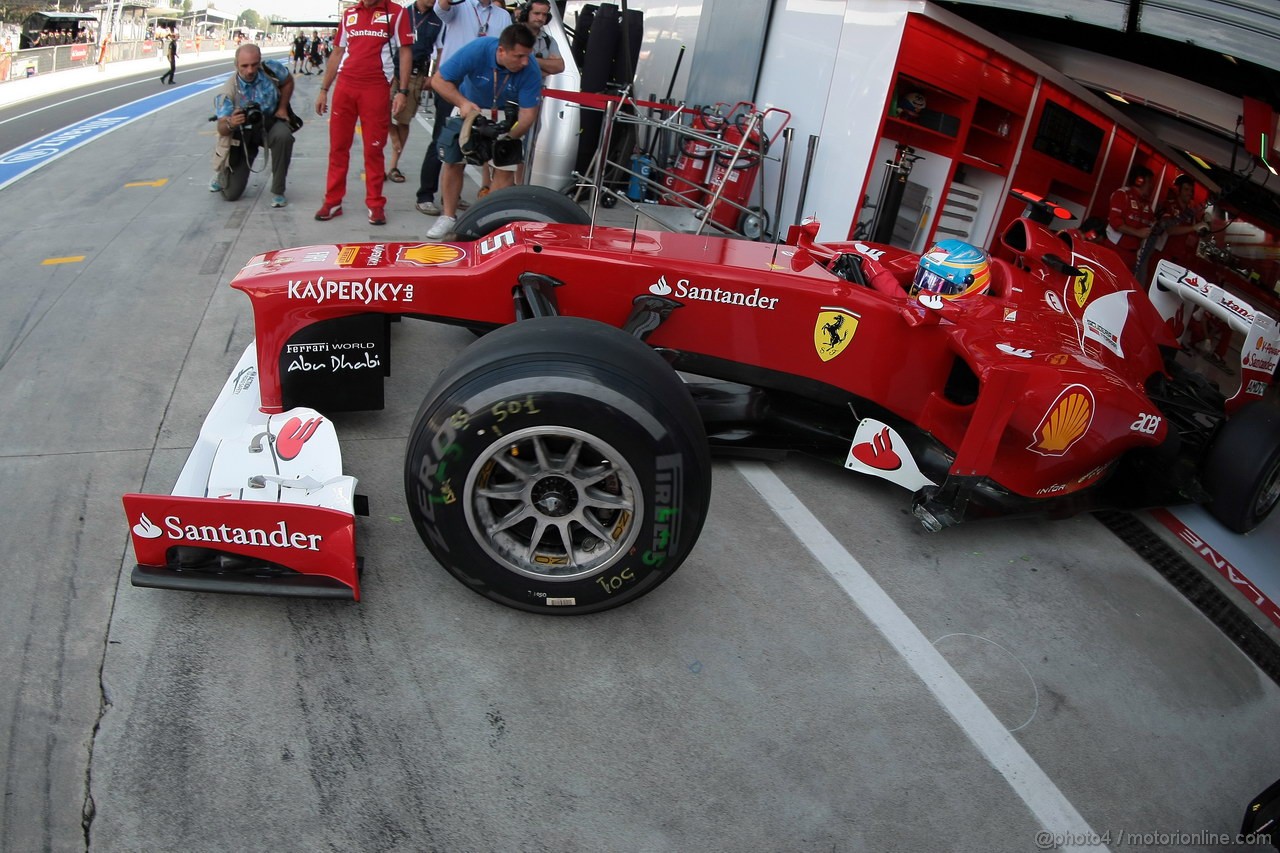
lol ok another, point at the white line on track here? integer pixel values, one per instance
(95, 92)
(1055, 813)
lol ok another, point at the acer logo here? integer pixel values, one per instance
(1146, 424)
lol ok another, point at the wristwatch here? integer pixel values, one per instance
(402, 91)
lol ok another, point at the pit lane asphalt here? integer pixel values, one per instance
(820, 675)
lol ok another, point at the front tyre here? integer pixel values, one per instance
(558, 466)
(1242, 468)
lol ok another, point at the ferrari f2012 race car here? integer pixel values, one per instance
(561, 464)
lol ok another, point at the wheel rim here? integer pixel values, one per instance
(1270, 491)
(553, 503)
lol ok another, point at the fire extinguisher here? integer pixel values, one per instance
(737, 175)
(686, 181)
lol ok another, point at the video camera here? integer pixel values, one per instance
(484, 140)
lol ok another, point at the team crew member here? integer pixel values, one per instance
(1130, 217)
(361, 64)
(464, 22)
(481, 78)
(1181, 218)
(545, 51)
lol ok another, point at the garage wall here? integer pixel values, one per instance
(726, 58)
(830, 63)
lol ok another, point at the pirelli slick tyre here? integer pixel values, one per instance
(518, 204)
(1242, 468)
(558, 466)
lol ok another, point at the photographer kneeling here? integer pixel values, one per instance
(253, 112)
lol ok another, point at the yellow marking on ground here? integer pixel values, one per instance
(70, 259)
(158, 182)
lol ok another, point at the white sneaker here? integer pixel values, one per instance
(430, 208)
(444, 225)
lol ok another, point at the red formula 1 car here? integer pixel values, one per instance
(561, 464)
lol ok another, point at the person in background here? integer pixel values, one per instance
(463, 23)
(535, 16)
(361, 66)
(317, 53)
(426, 27)
(1129, 217)
(1181, 220)
(300, 53)
(172, 51)
(483, 78)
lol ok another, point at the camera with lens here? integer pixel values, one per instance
(252, 117)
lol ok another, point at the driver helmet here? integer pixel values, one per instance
(953, 269)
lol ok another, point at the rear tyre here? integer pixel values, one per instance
(518, 204)
(558, 466)
(1242, 468)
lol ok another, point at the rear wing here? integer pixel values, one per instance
(1174, 288)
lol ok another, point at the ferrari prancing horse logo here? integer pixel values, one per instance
(1083, 286)
(833, 331)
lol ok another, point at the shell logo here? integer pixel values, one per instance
(430, 254)
(1066, 421)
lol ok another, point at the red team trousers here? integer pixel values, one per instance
(368, 103)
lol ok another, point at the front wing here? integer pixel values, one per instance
(261, 506)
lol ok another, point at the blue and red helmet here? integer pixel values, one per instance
(952, 269)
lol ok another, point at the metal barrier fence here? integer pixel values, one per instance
(44, 60)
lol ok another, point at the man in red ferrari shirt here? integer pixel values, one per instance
(1130, 217)
(361, 63)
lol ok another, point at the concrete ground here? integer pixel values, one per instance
(820, 675)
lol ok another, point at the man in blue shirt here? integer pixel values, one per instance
(484, 77)
(463, 22)
(240, 133)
